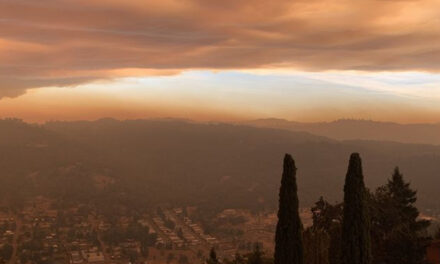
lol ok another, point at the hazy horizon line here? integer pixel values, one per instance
(237, 122)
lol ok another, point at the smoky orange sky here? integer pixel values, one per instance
(312, 60)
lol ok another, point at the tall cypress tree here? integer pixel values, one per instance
(356, 245)
(288, 237)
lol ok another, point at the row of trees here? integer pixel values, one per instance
(368, 227)
(255, 257)
(380, 227)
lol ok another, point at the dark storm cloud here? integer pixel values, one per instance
(70, 42)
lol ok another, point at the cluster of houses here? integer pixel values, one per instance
(86, 255)
(171, 235)
(199, 231)
(184, 233)
(7, 228)
(191, 232)
(129, 245)
(38, 238)
(7, 232)
(61, 239)
(76, 235)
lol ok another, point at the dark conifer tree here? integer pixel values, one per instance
(238, 259)
(288, 237)
(398, 233)
(328, 217)
(437, 233)
(404, 199)
(356, 223)
(212, 257)
(256, 257)
(316, 246)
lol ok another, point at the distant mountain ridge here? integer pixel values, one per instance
(350, 129)
(181, 162)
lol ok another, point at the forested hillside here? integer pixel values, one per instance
(172, 161)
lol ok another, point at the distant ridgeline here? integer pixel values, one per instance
(350, 129)
(148, 162)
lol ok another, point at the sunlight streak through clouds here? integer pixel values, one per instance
(407, 84)
(238, 95)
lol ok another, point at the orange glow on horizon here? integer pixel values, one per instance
(97, 101)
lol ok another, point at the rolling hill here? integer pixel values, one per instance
(348, 129)
(182, 162)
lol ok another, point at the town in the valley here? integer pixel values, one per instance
(42, 233)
